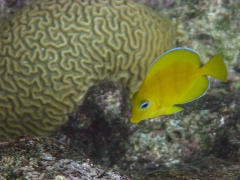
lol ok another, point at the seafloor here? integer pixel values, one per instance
(201, 142)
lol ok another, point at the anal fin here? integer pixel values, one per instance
(198, 89)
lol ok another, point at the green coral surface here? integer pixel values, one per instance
(52, 52)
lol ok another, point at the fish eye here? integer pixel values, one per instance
(144, 105)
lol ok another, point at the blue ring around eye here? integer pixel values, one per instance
(144, 105)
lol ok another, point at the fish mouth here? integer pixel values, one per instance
(134, 121)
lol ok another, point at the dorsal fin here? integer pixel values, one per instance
(171, 57)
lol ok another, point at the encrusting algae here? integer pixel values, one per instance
(52, 52)
(174, 78)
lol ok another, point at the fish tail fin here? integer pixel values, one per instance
(216, 68)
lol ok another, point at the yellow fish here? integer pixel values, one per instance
(175, 77)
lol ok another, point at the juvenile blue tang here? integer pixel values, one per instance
(175, 77)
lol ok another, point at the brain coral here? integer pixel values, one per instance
(51, 52)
